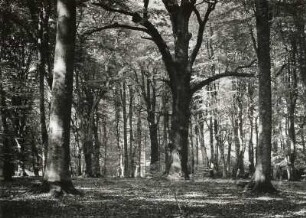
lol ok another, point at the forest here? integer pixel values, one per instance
(172, 108)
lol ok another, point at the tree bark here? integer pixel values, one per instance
(165, 127)
(229, 151)
(148, 87)
(120, 168)
(57, 175)
(97, 145)
(262, 176)
(291, 101)
(42, 48)
(131, 152)
(105, 143)
(8, 154)
(179, 130)
(125, 140)
(251, 120)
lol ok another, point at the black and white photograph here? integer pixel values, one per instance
(152, 108)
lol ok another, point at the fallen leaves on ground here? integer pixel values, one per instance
(114, 197)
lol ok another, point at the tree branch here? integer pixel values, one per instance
(107, 8)
(149, 29)
(245, 66)
(196, 87)
(112, 26)
(202, 23)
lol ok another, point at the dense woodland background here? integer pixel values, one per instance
(150, 81)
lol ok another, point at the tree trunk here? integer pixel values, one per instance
(211, 141)
(165, 127)
(88, 144)
(131, 167)
(192, 149)
(96, 147)
(229, 151)
(141, 164)
(57, 175)
(105, 144)
(120, 169)
(179, 130)
(263, 164)
(148, 87)
(302, 131)
(237, 147)
(125, 142)
(8, 157)
(292, 87)
(299, 19)
(251, 120)
(202, 144)
(42, 57)
(35, 156)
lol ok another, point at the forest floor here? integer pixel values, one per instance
(114, 197)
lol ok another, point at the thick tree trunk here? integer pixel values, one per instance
(1, 149)
(299, 20)
(7, 149)
(179, 130)
(263, 165)
(57, 175)
(42, 56)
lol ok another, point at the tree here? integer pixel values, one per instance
(57, 175)
(263, 164)
(179, 64)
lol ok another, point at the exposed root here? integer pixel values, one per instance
(261, 188)
(56, 189)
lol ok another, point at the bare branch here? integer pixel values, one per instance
(112, 26)
(149, 29)
(253, 39)
(199, 85)
(147, 38)
(202, 23)
(245, 66)
(280, 70)
(107, 8)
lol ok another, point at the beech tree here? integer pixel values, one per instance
(57, 175)
(263, 164)
(179, 62)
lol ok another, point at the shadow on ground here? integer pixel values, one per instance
(153, 198)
